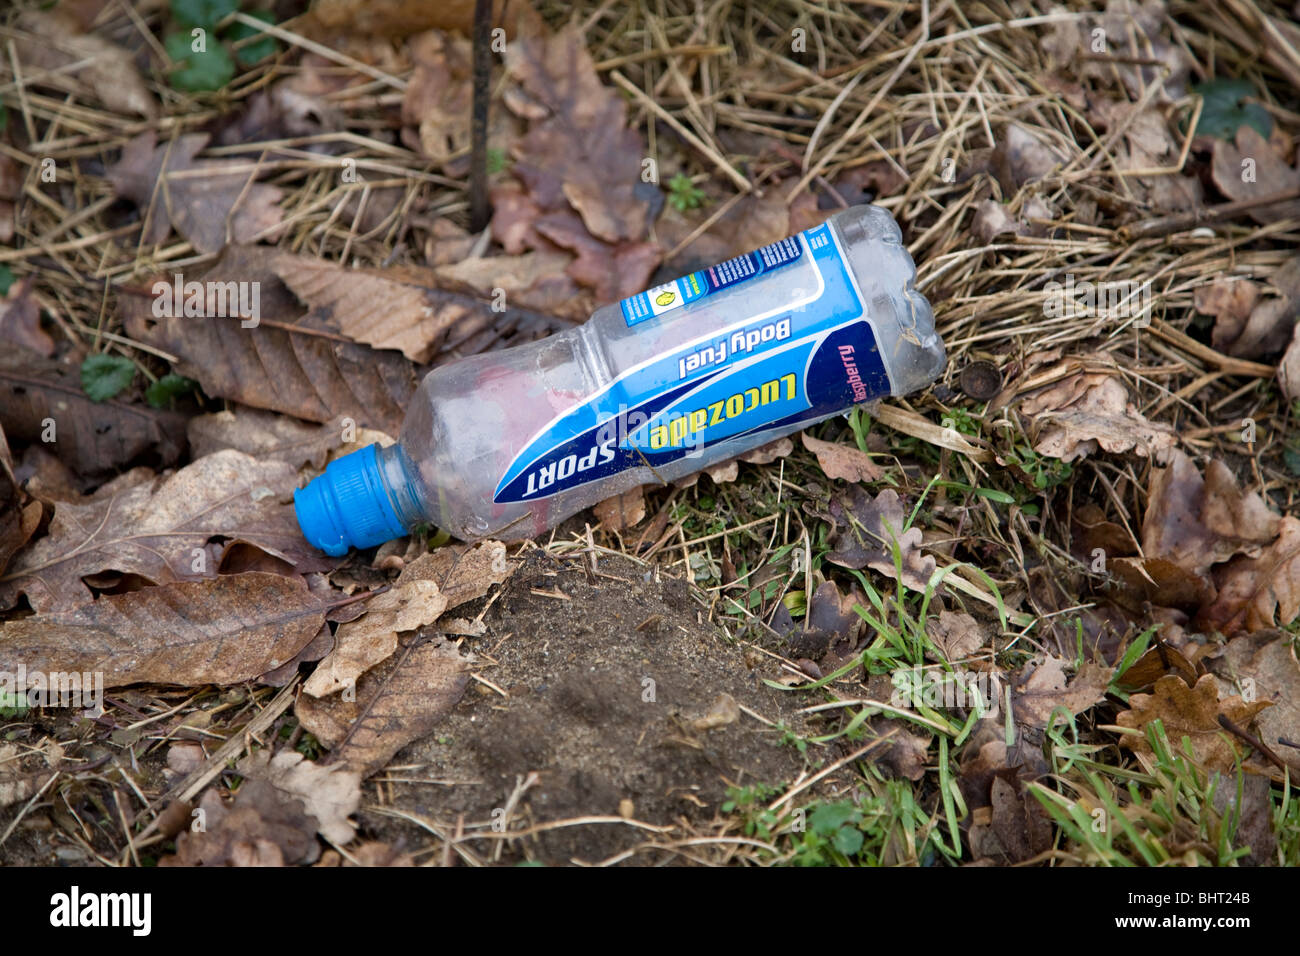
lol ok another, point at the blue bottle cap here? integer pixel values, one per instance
(347, 506)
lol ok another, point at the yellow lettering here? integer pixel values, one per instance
(789, 387)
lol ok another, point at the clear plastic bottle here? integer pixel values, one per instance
(665, 383)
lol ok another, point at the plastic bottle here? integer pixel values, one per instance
(665, 383)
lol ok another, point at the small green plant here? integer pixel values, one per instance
(6, 279)
(496, 160)
(683, 194)
(1224, 110)
(103, 376)
(205, 55)
(167, 389)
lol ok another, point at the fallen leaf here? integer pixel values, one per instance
(622, 511)
(1250, 168)
(330, 793)
(1091, 411)
(439, 95)
(866, 532)
(1196, 523)
(42, 402)
(1259, 592)
(956, 636)
(400, 700)
(20, 320)
(224, 630)
(400, 307)
(1020, 157)
(19, 517)
(843, 461)
(265, 436)
(207, 201)
(1147, 143)
(1244, 325)
(1040, 687)
(583, 154)
(264, 826)
(462, 572)
(1020, 821)
(59, 53)
(298, 367)
(361, 644)
(176, 528)
(1262, 667)
(1189, 712)
(1288, 371)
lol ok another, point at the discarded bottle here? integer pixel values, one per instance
(662, 384)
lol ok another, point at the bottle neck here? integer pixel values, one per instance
(399, 482)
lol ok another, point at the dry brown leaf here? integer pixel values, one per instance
(176, 528)
(103, 70)
(1263, 666)
(361, 644)
(439, 94)
(1020, 157)
(462, 572)
(265, 826)
(205, 202)
(843, 461)
(1250, 169)
(1147, 143)
(395, 308)
(955, 634)
(1088, 411)
(1259, 592)
(1020, 821)
(867, 530)
(583, 153)
(1189, 712)
(622, 511)
(1196, 523)
(398, 701)
(1288, 371)
(287, 363)
(20, 320)
(614, 271)
(19, 517)
(93, 438)
(224, 630)
(1041, 687)
(330, 793)
(266, 436)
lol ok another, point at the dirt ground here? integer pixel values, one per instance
(599, 685)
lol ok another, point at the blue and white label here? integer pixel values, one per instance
(809, 357)
(696, 285)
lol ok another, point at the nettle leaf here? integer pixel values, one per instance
(251, 53)
(103, 376)
(827, 819)
(1224, 112)
(202, 13)
(198, 72)
(171, 386)
(6, 274)
(848, 840)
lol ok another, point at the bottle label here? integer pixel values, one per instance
(696, 285)
(810, 355)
